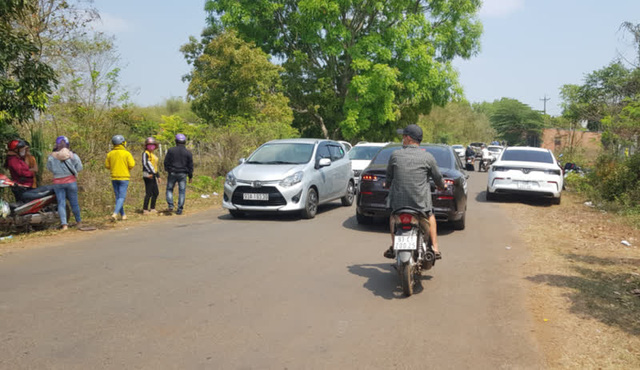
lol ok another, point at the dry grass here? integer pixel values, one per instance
(584, 284)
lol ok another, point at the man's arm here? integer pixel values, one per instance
(390, 167)
(435, 173)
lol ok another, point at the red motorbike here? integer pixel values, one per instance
(37, 207)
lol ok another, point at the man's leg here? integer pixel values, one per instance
(433, 232)
(171, 182)
(182, 191)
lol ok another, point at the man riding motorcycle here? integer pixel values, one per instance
(408, 174)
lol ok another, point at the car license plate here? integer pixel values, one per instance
(524, 185)
(405, 242)
(255, 196)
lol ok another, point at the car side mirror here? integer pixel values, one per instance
(241, 161)
(324, 162)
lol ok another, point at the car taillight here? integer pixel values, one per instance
(449, 182)
(369, 178)
(552, 172)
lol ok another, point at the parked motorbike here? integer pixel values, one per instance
(413, 251)
(37, 207)
(470, 164)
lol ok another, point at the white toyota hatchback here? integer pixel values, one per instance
(525, 170)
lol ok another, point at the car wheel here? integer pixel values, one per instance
(236, 214)
(311, 205)
(556, 200)
(490, 196)
(347, 200)
(364, 220)
(460, 224)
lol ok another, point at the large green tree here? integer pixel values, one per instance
(25, 80)
(357, 68)
(456, 123)
(516, 122)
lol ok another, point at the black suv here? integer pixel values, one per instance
(449, 205)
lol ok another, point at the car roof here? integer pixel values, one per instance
(530, 148)
(296, 140)
(421, 144)
(370, 144)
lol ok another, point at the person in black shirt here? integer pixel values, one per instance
(178, 163)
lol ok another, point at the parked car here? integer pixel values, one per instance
(460, 150)
(290, 175)
(360, 156)
(449, 205)
(525, 170)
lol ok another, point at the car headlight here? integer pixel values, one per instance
(231, 179)
(291, 180)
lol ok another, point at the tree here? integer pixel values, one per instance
(25, 81)
(516, 122)
(357, 68)
(456, 123)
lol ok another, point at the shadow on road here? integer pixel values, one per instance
(383, 280)
(597, 291)
(381, 225)
(290, 216)
(530, 200)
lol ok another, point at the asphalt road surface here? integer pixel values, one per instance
(269, 292)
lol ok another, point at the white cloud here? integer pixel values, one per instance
(110, 24)
(500, 8)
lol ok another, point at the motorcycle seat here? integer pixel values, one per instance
(37, 193)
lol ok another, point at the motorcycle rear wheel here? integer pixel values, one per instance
(406, 277)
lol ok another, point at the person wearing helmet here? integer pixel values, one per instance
(18, 168)
(150, 176)
(179, 165)
(120, 162)
(65, 165)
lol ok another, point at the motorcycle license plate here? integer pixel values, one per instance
(405, 242)
(255, 196)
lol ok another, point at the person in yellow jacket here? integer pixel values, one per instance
(120, 162)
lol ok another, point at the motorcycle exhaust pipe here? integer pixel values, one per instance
(429, 256)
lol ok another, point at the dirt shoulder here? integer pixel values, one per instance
(584, 284)
(94, 227)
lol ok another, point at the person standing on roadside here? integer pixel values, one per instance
(179, 165)
(65, 165)
(31, 161)
(120, 162)
(150, 176)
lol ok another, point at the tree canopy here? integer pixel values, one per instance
(357, 68)
(515, 122)
(25, 81)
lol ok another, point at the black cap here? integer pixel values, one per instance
(413, 131)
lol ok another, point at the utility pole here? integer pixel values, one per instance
(545, 99)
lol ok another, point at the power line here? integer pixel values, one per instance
(545, 99)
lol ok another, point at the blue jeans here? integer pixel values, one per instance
(64, 192)
(120, 189)
(181, 179)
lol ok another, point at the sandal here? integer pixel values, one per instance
(438, 255)
(390, 253)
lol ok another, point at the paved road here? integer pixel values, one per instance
(210, 292)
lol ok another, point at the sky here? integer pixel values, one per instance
(529, 48)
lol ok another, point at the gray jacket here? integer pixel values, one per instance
(56, 163)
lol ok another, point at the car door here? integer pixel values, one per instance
(323, 174)
(341, 173)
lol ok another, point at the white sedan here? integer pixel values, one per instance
(525, 170)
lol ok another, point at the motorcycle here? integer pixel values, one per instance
(470, 164)
(485, 164)
(37, 207)
(413, 253)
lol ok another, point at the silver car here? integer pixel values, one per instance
(290, 175)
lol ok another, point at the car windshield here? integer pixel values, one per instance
(457, 147)
(282, 153)
(527, 156)
(441, 154)
(363, 152)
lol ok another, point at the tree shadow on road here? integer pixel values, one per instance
(381, 225)
(290, 216)
(610, 296)
(530, 200)
(383, 280)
